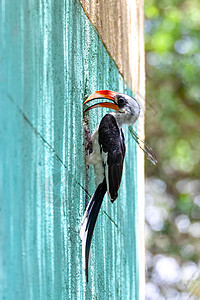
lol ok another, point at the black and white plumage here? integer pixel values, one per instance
(107, 157)
(112, 148)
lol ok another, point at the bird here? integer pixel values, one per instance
(107, 157)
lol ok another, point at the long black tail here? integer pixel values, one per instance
(88, 223)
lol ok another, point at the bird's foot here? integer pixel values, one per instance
(88, 140)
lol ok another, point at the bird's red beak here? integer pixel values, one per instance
(104, 94)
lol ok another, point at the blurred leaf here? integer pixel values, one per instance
(173, 130)
(162, 42)
(184, 203)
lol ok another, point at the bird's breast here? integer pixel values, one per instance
(95, 158)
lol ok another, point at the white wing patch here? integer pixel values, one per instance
(84, 232)
(95, 158)
(105, 163)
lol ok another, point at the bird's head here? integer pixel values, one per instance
(121, 103)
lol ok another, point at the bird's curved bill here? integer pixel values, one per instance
(104, 94)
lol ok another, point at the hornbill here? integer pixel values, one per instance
(107, 156)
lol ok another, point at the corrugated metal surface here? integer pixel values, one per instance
(50, 58)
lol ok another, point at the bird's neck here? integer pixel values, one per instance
(124, 118)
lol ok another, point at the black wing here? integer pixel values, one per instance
(111, 140)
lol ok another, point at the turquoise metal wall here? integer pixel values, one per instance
(51, 57)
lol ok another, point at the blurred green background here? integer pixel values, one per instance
(172, 30)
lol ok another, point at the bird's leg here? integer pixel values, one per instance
(88, 150)
(87, 140)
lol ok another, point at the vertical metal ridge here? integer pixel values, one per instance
(51, 57)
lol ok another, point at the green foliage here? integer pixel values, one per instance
(173, 62)
(173, 129)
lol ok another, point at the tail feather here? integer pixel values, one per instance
(89, 221)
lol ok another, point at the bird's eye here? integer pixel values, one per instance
(121, 101)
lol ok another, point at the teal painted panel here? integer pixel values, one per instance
(51, 57)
